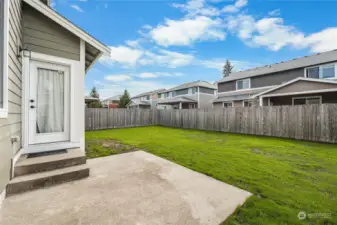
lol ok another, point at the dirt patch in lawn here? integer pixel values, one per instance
(101, 148)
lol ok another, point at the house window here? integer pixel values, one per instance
(194, 90)
(313, 100)
(247, 104)
(322, 72)
(181, 92)
(206, 90)
(227, 104)
(3, 56)
(242, 84)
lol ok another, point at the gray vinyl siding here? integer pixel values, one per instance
(265, 80)
(43, 35)
(227, 86)
(11, 126)
(276, 78)
(205, 101)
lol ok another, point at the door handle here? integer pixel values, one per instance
(32, 100)
(32, 107)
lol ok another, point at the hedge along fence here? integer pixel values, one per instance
(305, 122)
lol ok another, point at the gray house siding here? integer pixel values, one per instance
(11, 126)
(265, 80)
(227, 86)
(205, 101)
(276, 78)
(45, 36)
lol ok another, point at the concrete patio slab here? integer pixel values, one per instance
(128, 189)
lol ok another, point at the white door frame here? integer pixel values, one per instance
(34, 136)
(75, 69)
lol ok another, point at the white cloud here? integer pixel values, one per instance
(166, 58)
(122, 55)
(268, 32)
(158, 74)
(324, 40)
(147, 27)
(276, 12)
(130, 57)
(133, 43)
(197, 7)
(118, 77)
(275, 35)
(236, 7)
(77, 8)
(187, 31)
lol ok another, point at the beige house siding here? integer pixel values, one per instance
(300, 86)
(43, 35)
(11, 126)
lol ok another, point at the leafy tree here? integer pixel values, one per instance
(227, 69)
(95, 103)
(124, 100)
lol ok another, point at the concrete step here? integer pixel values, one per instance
(44, 179)
(70, 157)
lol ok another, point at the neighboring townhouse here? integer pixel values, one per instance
(43, 61)
(197, 94)
(111, 102)
(307, 80)
(145, 100)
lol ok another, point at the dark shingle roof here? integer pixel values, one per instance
(319, 58)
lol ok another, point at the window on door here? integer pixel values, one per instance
(307, 100)
(322, 72)
(3, 56)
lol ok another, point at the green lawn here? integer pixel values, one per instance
(285, 176)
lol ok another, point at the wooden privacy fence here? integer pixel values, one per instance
(305, 122)
(98, 119)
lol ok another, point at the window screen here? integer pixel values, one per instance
(313, 72)
(242, 84)
(328, 71)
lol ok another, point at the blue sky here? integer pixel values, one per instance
(159, 44)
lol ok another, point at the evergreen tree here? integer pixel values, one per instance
(96, 103)
(227, 69)
(124, 100)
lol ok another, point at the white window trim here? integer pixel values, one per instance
(243, 88)
(320, 71)
(307, 97)
(223, 104)
(4, 109)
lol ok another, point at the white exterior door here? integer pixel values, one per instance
(48, 103)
